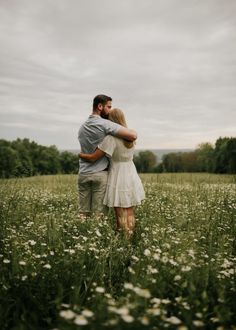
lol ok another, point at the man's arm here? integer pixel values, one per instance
(92, 157)
(126, 134)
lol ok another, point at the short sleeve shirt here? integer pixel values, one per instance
(116, 150)
(108, 145)
(90, 135)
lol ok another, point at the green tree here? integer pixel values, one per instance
(69, 162)
(9, 162)
(172, 162)
(49, 162)
(225, 155)
(159, 168)
(25, 167)
(231, 152)
(22, 157)
(189, 161)
(205, 157)
(145, 161)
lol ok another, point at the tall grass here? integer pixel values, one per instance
(178, 271)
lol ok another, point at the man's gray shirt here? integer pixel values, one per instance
(91, 133)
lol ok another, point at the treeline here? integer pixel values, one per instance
(220, 158)
(21, 158)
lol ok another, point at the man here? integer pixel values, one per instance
(93, 176)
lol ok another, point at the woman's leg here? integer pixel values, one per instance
(130, 220)
(125, 220)
(121, 217)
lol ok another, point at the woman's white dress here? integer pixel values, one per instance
(124, 187)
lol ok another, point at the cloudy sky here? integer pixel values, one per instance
(169, 64)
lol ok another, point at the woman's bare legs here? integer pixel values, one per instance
(130, 221)
(125, 220)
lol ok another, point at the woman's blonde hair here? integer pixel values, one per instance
(117, 116)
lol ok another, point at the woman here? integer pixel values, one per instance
(124, 187)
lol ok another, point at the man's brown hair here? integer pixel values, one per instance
(103, 99)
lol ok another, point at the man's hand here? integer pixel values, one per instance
(127, 134)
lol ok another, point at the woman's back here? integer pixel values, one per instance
(115, 148)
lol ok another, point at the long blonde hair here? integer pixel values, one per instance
(117, 116)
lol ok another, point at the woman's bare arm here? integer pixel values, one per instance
(92, 157)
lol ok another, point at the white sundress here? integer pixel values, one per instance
(124, 187)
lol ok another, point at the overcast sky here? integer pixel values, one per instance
(170, 65)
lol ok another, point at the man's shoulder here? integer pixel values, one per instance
(97, 124)
(106, 123)
(95, 119)
(84, 122)
(91, 120)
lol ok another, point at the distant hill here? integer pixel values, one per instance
(158, 152)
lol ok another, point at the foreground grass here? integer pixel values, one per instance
(178, 272)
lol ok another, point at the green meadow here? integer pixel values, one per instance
(177, 272)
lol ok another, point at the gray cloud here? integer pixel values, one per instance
(169, 64)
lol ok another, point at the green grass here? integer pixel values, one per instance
(178, 272)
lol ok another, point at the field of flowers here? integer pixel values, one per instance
(177, 272)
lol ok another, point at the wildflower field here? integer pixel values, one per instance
(177, 272)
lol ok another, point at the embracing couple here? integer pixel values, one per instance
(107, 174)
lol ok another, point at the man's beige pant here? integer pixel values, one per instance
(92, 189)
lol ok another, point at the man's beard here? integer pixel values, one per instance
(105, 116)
